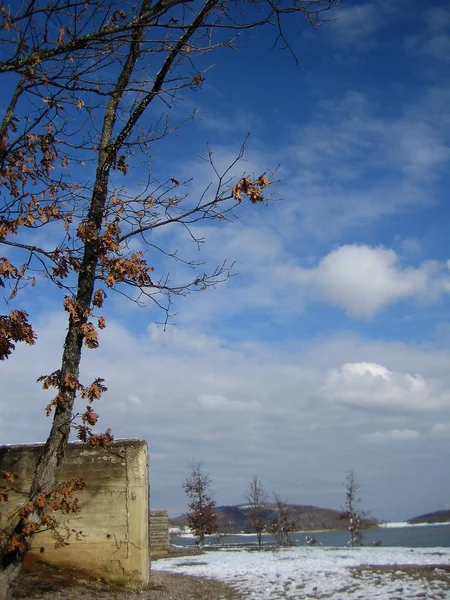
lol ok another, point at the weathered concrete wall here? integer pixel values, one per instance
(109, 537)
(159, 531)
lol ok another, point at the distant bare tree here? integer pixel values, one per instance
(352, 511)
(201, 517)
(256, 497)
(283, 524)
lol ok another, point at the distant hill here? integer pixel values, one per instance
(439, 516)
(233, 519)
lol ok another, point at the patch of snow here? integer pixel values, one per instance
(301, 573)
(175, 530)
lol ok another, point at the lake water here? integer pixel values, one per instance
(424, 536)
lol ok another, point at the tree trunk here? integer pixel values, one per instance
(8, 574)
(53, 452)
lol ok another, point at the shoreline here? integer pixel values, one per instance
(387, 525)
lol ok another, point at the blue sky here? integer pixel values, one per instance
(328, 350)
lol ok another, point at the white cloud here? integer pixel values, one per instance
(411, 246)
(359, 279)
(358, 21)
(373, 386)
(354, 164)
(366, 368)
(347, 169)
(135, 401)
(349, 139)
(394, 435)
(240, 407)
(438, 18)
(440, 430)
(181, 339)
(363, 280)
(358, 24)
(217, 402)
(434, 41)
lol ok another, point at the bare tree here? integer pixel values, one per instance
(284, 523)
(88, 88)
(352, 511)
(256, 497)
(201, 517)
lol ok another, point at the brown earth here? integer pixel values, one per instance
(42, 582)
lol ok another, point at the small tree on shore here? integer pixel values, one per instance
(257, 499)
(352, 511)
(201, 517)
(283, 523)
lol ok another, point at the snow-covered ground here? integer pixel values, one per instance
(298, 573)
(393, 525)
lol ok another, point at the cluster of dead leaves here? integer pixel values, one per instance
(95, 440)
(15, 276)
(252, 189)
(33, 161)
(90, 335)
(37, 513)
(6, 24)
(80, 315)
(133, 269)
(64, 264)
(14, 328)
(107, 242)
(67, 382)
